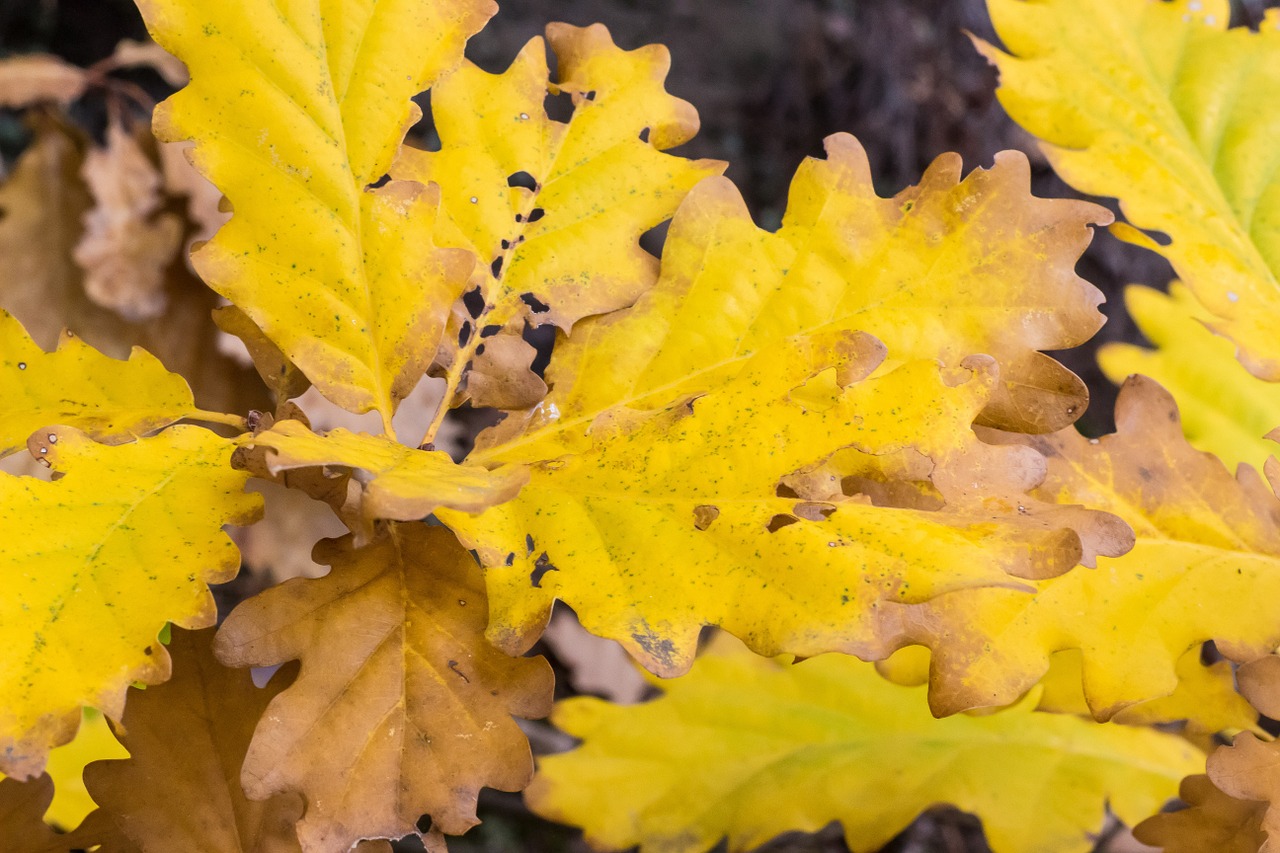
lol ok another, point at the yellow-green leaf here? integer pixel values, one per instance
(75, 385)
(1225, 409)
(749, 748)
(1207, 545)
(93, 742)
(95, 563)
(400, 707)
(300, 107)
(404, 484)
(1163, 107)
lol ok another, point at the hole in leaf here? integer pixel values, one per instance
(536, 214)
(528, 544)
(480, 350)
(559, 107)
(496, 266)
(464, 334)
(511, 558)
(424, 824)
(644, 134)
(590, 96)
(506, 244)
(536, 305)
(542, 339)
(473, 301)
(785, 491)
(780, 521)
(381, 182)
(522, 179)
(704, 514)
(490, 331)
(541, 566)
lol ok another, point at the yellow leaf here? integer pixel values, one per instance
(1208, 544)
(93, 742)
(597, 185)
(1225, 409)
(302, 107)
(749, 748)
(178, 789)
(406, 484)
(658, 460)
(78, 386)
(94, 565)
(398, 689)
(1157, 104)
(688, 499)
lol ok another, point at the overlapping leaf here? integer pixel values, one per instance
(401, 707)
(1213, 821)
(93, 742)
(1225, 409)
(658, 460)
(1206, 542)
(598, 181)
(1160, 105)
(180, 787)
(94, 565)
(78, 386)
(403, 483)
(301, 108)
(748, 748)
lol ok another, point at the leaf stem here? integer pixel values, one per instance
(452, 380)
(218, 418)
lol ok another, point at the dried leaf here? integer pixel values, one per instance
(37, 77)
(1249, 769)
(361, 262)
(827, 739)
(130, 53)
(398, 689)
(1083, 75)
(21, 805)
(127, 244)
(1225, 409)
(180, 787)
(114, 565)
(1212, 821)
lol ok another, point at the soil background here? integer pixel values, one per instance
(771, 79)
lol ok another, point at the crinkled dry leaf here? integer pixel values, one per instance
(749, 748)
(1260, 683)
(1162, 106)
(1206, 541)
(78, 386)
(291, 109)
(128, 243)
(398, 689)
(1213, 822)
(37, 77)
(403, 483)
(1249, 769)
(94, 565)
(1225, 409)
(180, 787)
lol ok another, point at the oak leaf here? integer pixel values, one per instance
(1225, 409)
(78, 386)
(93, 574)
(555, 210)
(22, 830)
(179, 789)
(1205, 542)
(1154, 103)
(1212, 821)
(398, 689)
(749, 748)
(1249, 770)
(303, 109)
(93, 742)
(672, 426)
(35, 78)
(128, 242)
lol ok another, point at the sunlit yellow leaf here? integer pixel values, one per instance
(95, 563)
(93, 742)
(1160, 105)
(1225, 409)
(404, 483)
(1206, 566)
(749, 748)
(664, 456)
(300, 107)
(78, 386)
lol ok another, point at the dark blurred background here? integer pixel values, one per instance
(770, 79)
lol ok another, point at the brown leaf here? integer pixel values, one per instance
(128, 243)
(1213, 822)
(180, 787)
(280, 375)
(1249, 769)
(398, 691)
(43, 204)
(37, 77)
(133, 54)
(22, 808)
(1259, 682)
(500, 376)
